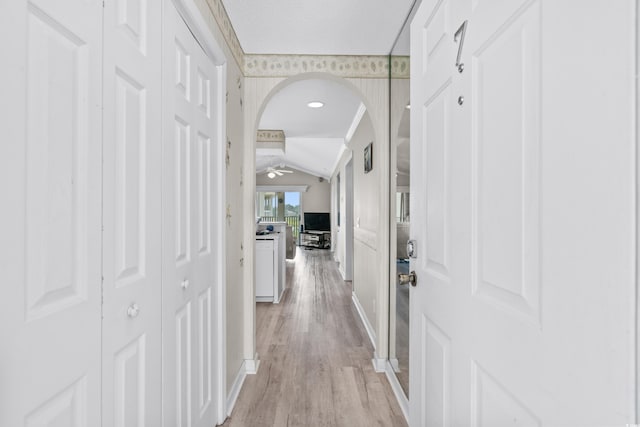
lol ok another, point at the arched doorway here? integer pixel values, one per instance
(373, 95)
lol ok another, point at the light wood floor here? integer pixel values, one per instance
(315, 357)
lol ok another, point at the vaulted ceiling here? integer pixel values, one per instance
(327, 27)
(314, 136)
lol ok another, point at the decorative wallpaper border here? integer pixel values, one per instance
(400, 67)
(358, 66)
(258, 65)
(226, 28)
(264, 135)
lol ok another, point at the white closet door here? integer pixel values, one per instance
(188, 257)
(51, 200)
(132, 181)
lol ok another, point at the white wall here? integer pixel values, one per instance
(366, 210)
(234, 244)
(367, 196)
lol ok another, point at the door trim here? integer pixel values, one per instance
(637, 207)
(196, 23)
(192, 16)
(348, 221)
(403, 401)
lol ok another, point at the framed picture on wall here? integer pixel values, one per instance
(368, 158)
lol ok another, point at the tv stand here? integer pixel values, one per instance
(315, 239)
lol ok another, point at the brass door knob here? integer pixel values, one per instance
(408, 278)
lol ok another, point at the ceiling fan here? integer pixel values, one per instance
(272, 172)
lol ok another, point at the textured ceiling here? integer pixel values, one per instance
(327, 27)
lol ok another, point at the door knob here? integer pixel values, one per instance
(133, 310)
(185, 284)
(408, 278)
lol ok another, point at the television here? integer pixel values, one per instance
(317, 221)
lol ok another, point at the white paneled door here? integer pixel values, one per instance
(524, 308)
(131, 334)
(50, 171)
(188, 195)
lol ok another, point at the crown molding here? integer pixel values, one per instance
(356, 66)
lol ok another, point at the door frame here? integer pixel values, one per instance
(637, 203)
(196, 23)
(348, 218)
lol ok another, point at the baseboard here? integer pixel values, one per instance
(398, 391)
(365, 321)
(379, 365)
(248, 367)
(395, 365)
(235, 388)
(252, 365)
(280, 296)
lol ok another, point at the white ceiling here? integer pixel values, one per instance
(314, 136)
(288, 110)
(315, 156)
(326, 27)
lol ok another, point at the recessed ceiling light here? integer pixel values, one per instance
(315, 104)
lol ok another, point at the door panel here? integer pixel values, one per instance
(514, 311)
(131, 255)
(436, 364)
(189, 265)
(57, 61)
(506, 202)
(437, 125)
(183, 351)
(182, 186)
(205, 355)
(493, 404)
(50, 257)
(130, 378)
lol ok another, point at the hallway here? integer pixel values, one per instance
(315, 367)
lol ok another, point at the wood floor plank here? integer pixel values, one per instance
(315, 368)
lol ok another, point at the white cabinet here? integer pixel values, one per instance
(266, 269)
(270, 267)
